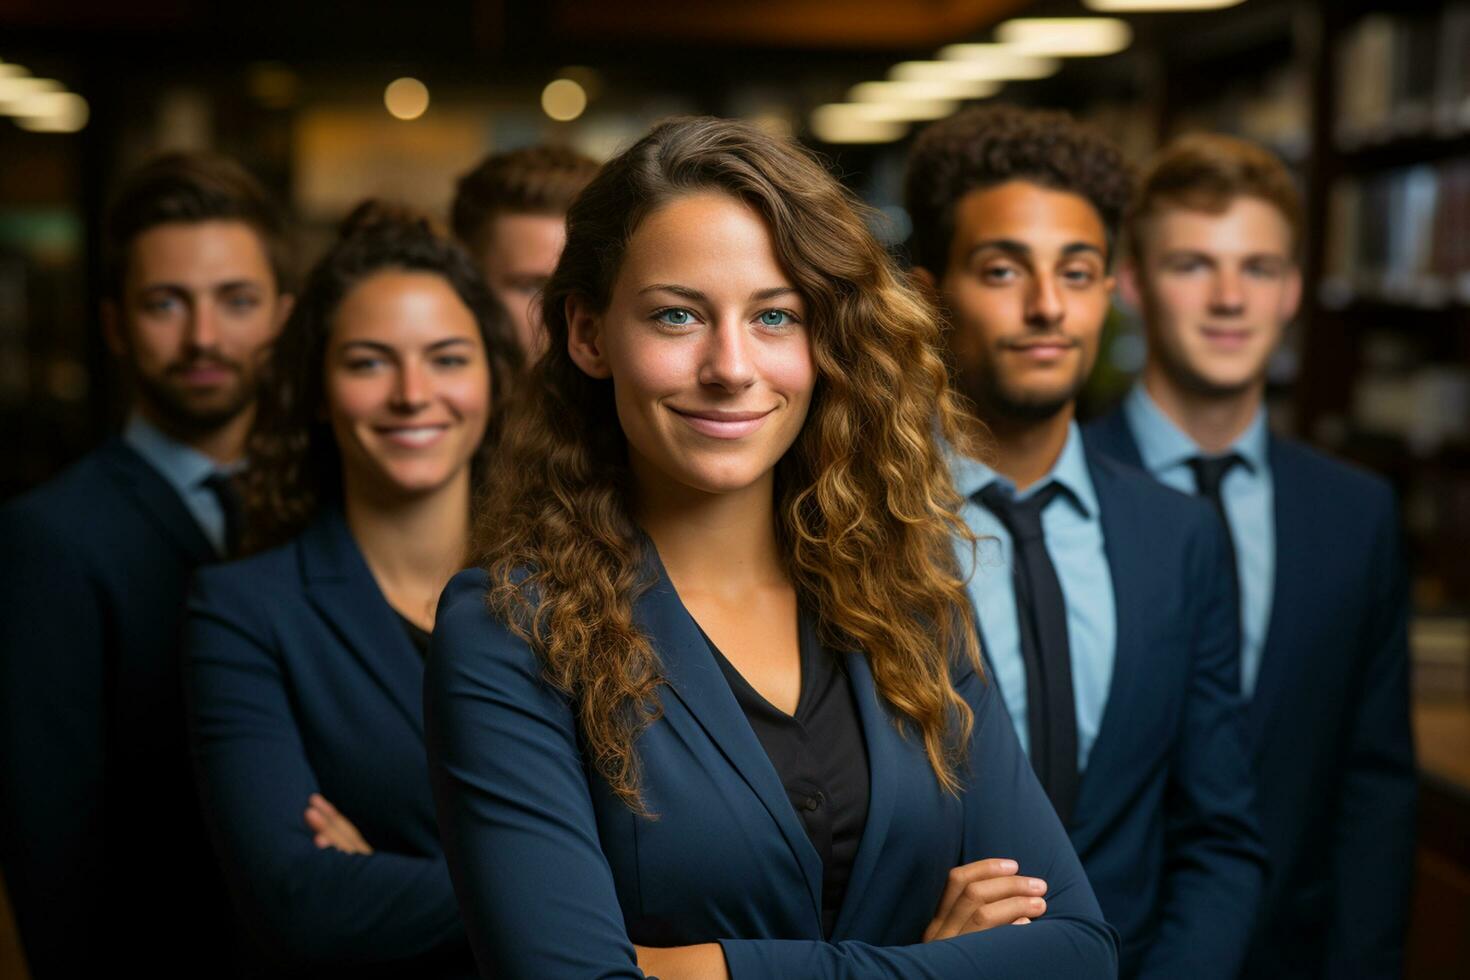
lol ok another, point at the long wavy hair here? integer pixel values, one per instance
(866, 512)
(295, 466)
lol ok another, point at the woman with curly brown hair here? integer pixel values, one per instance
(304, 670)
(713, 705)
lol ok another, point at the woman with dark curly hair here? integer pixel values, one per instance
(304, 662)
(713, 705)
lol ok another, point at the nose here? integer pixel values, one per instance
(1227, 298)
(410, 388)
(727, 359)
(1045, 307)
(203, 326)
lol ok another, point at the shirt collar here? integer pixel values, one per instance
(185, 468)
(1163, 444)
(1070, 471)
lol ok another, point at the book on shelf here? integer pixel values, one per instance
(1404, 75)
(1400, 236)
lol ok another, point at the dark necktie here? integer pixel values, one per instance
(222, 485)
(1041, 614)
(1209, 476)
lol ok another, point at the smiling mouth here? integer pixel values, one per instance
(723, 425)
(1042, 350)
(1227, 336)
(412, 436)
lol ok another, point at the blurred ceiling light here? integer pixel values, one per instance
(52, 112)
(1150, 6)
(1001, 61)
(564, 99)
(837, 123)
(915, 91)
(589, 78)
(11, 71)
(406, 98)
(18, 88)
(1066, 37)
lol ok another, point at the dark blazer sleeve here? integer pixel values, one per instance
(514, 805)
(518, 824)
(1006, 815)
(52, 714)
(1215, 861)
(1373, 853)
(306, 904)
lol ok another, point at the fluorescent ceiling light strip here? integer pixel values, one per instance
(1156, 6)
(1000, 61)
(1066, 37)
(927, 91)
(837, 123)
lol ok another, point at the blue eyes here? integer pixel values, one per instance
(678, 316)
(674, 317)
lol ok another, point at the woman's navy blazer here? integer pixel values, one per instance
(300, 679)
(558, 878)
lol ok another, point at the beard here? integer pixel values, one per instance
(996, 399)
(190, 412)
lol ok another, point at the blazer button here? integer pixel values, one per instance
(812, 802)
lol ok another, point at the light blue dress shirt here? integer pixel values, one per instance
(185, 469)
(1074, 539)
(1249, 499)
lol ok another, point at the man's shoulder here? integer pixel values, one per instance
(1332, 479)
(1137, 495)
(84, 494)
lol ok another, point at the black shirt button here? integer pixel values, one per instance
(812, 802)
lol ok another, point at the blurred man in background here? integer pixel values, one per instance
(100, 840)
(1213, 268)
(510, 212)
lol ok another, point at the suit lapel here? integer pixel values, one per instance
(1293, 516)
(1111, 436)
(878, 734)
(157, 498)
(697, 682)
(342, 588)
(1129, 567)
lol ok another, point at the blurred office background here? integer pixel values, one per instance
(331, 101)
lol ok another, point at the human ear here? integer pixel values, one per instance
(112, 329)
(584, 338)
(1291, 299)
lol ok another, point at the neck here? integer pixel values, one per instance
(412, 546)
(1027, 449)
(225, 444)
(714, 543)
(1213, 421)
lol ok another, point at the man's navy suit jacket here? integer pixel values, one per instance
(1329, 720)
(558, 877)
(1165, 819)
(301, 679)
(101, 844)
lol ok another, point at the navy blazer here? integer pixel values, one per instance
(558, 878)
(101, 845)
(1165, 819)
(300, 680)
(1329, 721)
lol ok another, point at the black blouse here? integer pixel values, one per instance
(417, 635)
(820, 755)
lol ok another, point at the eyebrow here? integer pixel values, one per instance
(1208, 256)
(178, 287)
(759, 295)
(378, 345)
(1021, 250)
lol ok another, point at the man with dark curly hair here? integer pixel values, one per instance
(1105, 602)
(510, 212)
(1212, 264)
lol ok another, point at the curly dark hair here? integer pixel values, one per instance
(295, 467)
(531, 180)
(990, 145)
